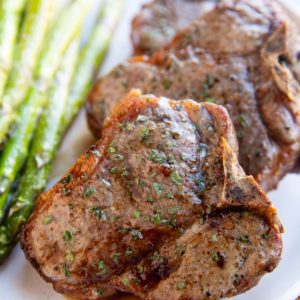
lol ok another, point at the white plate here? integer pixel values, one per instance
(19, 281)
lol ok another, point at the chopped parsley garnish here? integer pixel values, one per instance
(158, 188)
(136, 234)
(136, 214)
(149, 199)
(67, 179)
(214, 256)
(66, 191)
(89, 191)
(174, 210)
(243, 121)
(159, 220)
(244, 239)
(100, 292)
(99, 213)
(140, 269)
(139, 182)
(175, 177)
(126, 281)
(214, 238)
(67, 236)
(142, 118)
(69, 255)
(171, 144)
(66, 270)
(112, 150)
(210, 100)
(124, 172)
(201, 220)
(102, 268)
(266, 236)
(115, 218)
(169, 195)
(128, 252)
(156, 157)
(181, 285)
(167, 83)
(171, 160)
(113, 170)
(47, 220)
(200, 183)
(145, 134)
(118, 157)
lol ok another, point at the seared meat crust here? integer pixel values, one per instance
(241, 55)
(159, 207)
(158, 21)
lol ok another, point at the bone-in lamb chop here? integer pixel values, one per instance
(159, 208)
(158, 21)
(241, 55)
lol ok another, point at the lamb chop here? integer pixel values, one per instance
(242, 55)
(158, 21)
(159, 208)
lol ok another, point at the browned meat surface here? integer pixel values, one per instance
(159, 207)
(240, 55)
(157, 22)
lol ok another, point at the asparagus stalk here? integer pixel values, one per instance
(16, 149)
(92, 55)
(36, 23)
(10, 16)
(42, 150)
(34, 178)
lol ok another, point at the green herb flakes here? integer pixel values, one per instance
(157, 158)
(67, 236)
(136, 234)
(66, 270)
(158, 188)
(47, 220)
(244, 239)
(102, 268)
(140, 269)
(66, 191)
(175, 177)
(180, 285)
(136, 214)
(214, 256)
(145, 134)
(99, 213)
(266, 236)
(214, 238)
(166, 83)
(67, 179)
(142, 119)
(113, 170)
(69, 256)
(128, 252)
(89, 191)
(118, 157)
(100, 292)
(126, 281)
(243, 121)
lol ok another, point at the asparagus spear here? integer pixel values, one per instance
(43, 148)
(16, 149)
(34, 178)
(92, 55)
(36, 22)
(10, 16)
